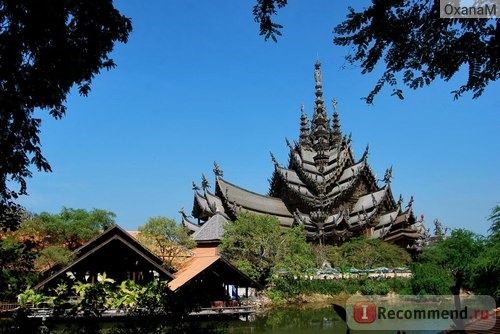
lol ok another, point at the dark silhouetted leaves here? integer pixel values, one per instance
(410, 39)
(46, 48)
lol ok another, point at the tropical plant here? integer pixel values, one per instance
(128, 296)
(94, 298)
(30, 297)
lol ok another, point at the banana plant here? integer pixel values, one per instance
(30, 297)
(128, 295)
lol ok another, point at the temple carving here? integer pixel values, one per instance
(324, 187)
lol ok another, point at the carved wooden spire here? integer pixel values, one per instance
(320, 134)
(305, 131)
(336, 134)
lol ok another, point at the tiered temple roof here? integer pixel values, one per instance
(323, 187)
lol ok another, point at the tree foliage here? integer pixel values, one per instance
(411, 39)
(464, 260)
(16, 266)
(494, 218)
(52, 255)
(70, 228)
(456, 255)
(46, 48)
(363, 253)
(164, 237)
(262, 12)
(411, 42)
(44, 240)
(260, 247)
(430, 278)
(486, 268)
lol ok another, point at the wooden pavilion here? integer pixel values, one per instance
(113, 252)
(212, 280)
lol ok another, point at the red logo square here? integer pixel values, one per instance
(365, 312)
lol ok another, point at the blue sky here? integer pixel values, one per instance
(197, 84)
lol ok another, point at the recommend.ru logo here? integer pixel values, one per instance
(420, 312)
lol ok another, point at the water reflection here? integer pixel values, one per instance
(282, 320)
(292, 320)
(303, 321)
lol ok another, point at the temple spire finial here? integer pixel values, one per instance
(320, 123)
(317, 73)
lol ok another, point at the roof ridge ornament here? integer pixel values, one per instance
(365, 154)
(204, 183)
(410, 202)
(273, 158)
(195, 187)
(388, 175)
(183, 213)
(217, 171)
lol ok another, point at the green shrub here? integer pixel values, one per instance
(401, 286)
(276, 296)
(430, 279)
(368, 287)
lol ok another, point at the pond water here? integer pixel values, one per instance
(292, 320)
(282, 320)
(299, 321)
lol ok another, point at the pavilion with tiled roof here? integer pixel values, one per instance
(323, 187)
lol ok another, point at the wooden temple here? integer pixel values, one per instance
(323, 187)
